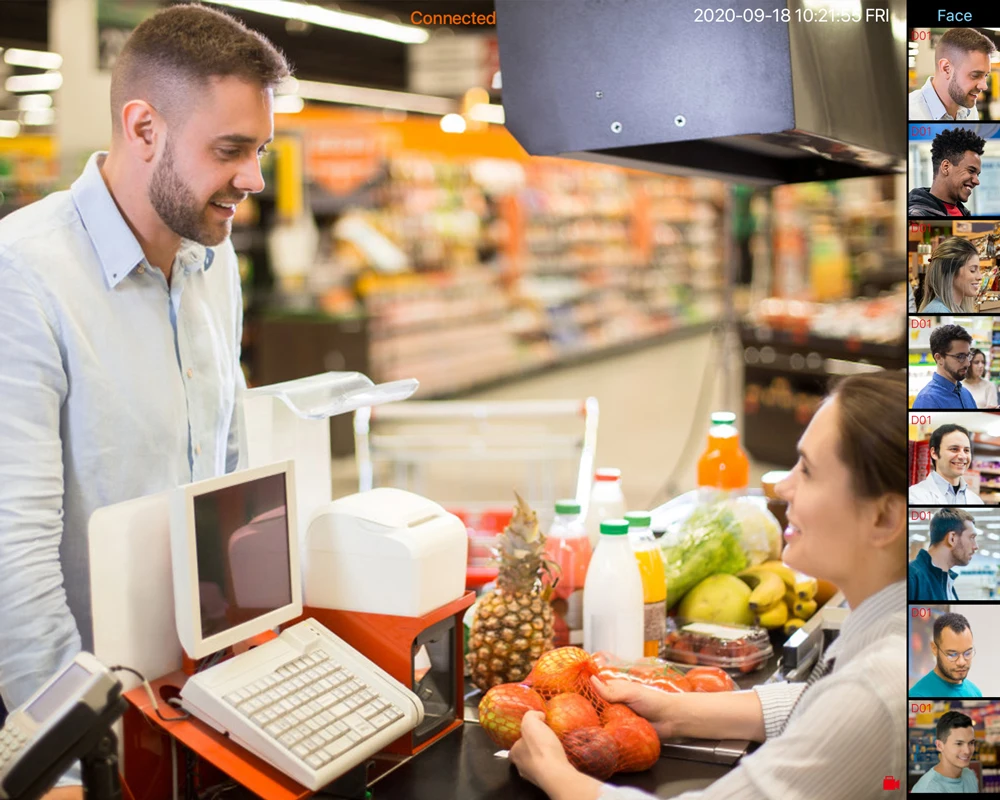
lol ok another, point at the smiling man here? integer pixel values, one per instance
(956, 157)
(951, 455)
(121, 319)
(955, 740)
(953, 649)
(951, 348)
(962, 71)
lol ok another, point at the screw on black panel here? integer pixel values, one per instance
(680, 121)
(598, 95)
(616, 127)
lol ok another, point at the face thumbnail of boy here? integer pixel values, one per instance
(957, 752)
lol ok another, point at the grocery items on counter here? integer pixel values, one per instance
(599, 739)
(569, 547)
(780, 594)
(606, 501)
(660, 674)
(718, 598)
(707, 543)
(723, 465)
(654, 583)
(732, 647)
(613, 617)
(513, 624)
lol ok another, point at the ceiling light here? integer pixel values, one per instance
(487, 112)
(917, 537)
(9, 128)
(33, 102)
(376, 98)
(453, 123)
(288, 104)
(993, 536)
(44, 82)
(996, 555)
(38, 116)
(328, 18)
(37, 59)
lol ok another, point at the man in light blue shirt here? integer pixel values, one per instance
(951, 350)
(955, 740)
(953, 649)
(121, 319)
(962, 59)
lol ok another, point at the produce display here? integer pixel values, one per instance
(513, 625)
(718, 647)
(599, 738)
(709, 544)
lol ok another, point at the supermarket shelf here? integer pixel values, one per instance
(576, 360)
(853, 347)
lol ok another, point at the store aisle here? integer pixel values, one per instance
(648, 408)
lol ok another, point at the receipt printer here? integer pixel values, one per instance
(384, 551)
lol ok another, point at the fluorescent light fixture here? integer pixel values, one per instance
(37, 59)
(288, 104)
(44, 82)
(375, 98)
(9, 128)
(487, 112)
(993, 536)
(996, 555)
(328, 18)
(453, 123)
(33, 102)
(38, 116)
(918, 538)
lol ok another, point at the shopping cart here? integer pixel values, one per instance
(543, 449)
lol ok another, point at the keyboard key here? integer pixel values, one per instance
(233, 698)
(341, 728)
(290, 738)
(298, 682)
(323, 685)
(301, 750)
(366, 695)
(353, 737)
(327, 735)
(380, 721)
(325, 718)
(338, 748)
(340, 694)
(340, 710)
(368, 711)
(360, 726)
(274, 730)
(354, 703)
(316, 760)
(313, 725)
(393, 713)
(300, 715)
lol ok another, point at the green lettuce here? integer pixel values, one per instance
(708, 543)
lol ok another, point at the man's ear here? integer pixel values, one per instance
(140, 128)
(944, 64)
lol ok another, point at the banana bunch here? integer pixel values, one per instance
(780, 597)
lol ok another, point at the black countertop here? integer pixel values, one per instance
(463, 766)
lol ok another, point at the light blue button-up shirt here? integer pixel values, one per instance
(926, 105)
(113, 385)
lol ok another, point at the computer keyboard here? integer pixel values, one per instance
(306, 702)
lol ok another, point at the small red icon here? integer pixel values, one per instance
(889, 783)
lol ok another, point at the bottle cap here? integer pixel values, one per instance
(614, 527)
(608, 474)
(723, 418)
(770, 480)
(639, 519)
(567, 507)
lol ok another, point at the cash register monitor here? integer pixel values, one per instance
(234, 543)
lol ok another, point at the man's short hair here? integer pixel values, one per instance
(943, 335)
(948, 520)
(940, 432)
(180, 48)
(953, 144)
(956, 622)
(950, 720)
(963, 40)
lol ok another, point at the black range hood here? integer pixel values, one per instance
(645, 84)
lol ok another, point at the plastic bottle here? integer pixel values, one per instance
(612, 596)
(606, 501)
(569, 547)
(724, 465)
(654, 583)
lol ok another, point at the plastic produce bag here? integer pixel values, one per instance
(759, 531)
(707, 543)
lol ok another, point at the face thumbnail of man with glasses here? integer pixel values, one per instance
(951, 347)
(953, 651)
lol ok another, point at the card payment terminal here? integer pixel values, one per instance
(62, 722)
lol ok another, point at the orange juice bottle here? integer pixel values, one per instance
(723, 465)
(569, 547)
(654, 582)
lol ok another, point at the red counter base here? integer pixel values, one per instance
(146, 738)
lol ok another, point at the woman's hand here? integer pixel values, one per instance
(652, 704)
(539, 758)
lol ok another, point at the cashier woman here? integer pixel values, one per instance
(120, 322)
(840, 733)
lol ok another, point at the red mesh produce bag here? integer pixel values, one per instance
(566, 669)
(501, 710)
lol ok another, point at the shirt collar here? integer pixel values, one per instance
(117, 248)
(936, 107)
(881, 615)
(944, 486)
(946, 384)
(924, 557)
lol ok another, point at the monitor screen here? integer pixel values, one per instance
(242, 553)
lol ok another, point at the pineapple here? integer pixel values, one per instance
(513, 624)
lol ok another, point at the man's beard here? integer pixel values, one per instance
(177, 205)
(945, 669)
(959, 95)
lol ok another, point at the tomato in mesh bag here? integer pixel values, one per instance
(503, 707)
(568, 712)
(710, 679)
